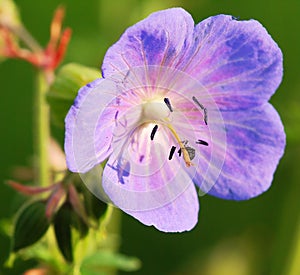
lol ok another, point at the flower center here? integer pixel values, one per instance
(155, 110)
(159, 112)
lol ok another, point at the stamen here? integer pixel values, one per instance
(202, 142)
(168, 103)
(184, 151)
(202, 107)
(116, 117)
(172, 152)
(153, 132)
(205, 116)
(179, 152)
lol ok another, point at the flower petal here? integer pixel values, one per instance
(177, 216)
(139, 169)
(161, 39)
(237, 61)
(255, 144)
(139, 177)
(89, 126)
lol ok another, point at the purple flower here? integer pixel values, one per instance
(179, 106)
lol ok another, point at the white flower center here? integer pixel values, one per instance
(155, 110)
(159, 111)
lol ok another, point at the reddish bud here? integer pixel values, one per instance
(29, 190)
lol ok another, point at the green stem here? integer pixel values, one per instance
(110, 227)
(294, 268)
(107, 238)
(287, 242)
(42, 130)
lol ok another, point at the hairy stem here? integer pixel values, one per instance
(41, 131)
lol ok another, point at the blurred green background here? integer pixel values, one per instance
(260, 236)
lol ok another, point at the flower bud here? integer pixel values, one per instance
(9, 14)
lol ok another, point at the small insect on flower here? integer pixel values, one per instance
(123, 169)
(180, 107)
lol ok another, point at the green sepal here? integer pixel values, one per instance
(94, 206)
(78, 224)
(31, 224)
(63, 91)
(105, 261)
(62, 229)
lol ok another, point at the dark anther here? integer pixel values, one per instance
(116, 115)
(153, 132)
(141, 158)
(172, 152)
(202, 107)
(179, 152)
(168, 103)
(198, 103)
(202, 142)
(205, 116)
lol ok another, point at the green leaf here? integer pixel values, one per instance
(104, 261)
(30, 226)
(62, 228)
(63, 91)
(20, 266)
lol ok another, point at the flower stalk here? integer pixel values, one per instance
(42, 130)
(64, 197)
(294, 268)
